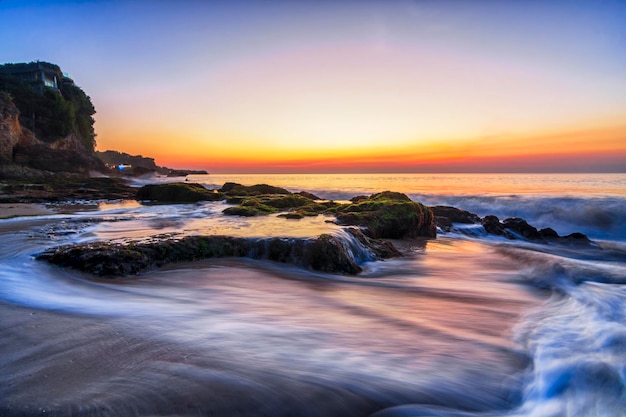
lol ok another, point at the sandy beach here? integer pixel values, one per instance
(8, 210)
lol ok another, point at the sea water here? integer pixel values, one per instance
(462, 325)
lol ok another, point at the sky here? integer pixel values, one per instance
(342, 86)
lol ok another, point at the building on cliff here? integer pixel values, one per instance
(38, 74)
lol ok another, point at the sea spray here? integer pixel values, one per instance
(577, 341)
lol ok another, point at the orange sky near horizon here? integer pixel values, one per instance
(561, 151)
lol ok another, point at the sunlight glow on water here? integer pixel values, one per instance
(456, 184)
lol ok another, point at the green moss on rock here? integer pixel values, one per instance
(250, 207)
(326, 253)
(235, 189)
(389, 215)
(177, 192)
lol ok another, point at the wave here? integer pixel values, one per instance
(576, 342)
(599, 218)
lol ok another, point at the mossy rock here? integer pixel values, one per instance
(325, 253)
(293, 215)
(250, 207)
(308, 195)
(177, 192)
(284, 201)
(235, 189)
(390, 196)
(273, 203)
(389, 215)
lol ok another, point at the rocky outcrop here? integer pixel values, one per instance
(445, 216)
(510, 228)
(389, 215)
(327, 253)
(65, 187)
(518, 228)
(46, 127)
(177, 192)
(185, 172)
(298, 205)
(235, 189)
(12, 133)
(20, 148)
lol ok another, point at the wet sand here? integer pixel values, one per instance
(8, 210)
(64, 365)
(187, 364)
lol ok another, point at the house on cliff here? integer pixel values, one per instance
(38, 74)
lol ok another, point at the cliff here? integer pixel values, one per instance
(46, 123)
(140, 165)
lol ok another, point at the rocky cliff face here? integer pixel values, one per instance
(21, 152)
(12, 133)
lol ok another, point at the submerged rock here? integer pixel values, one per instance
(308, 195)
(521, 228)
(389, 215)
(327, 253)
(518, 228)
(177, 192)
(455, 215)
(493, 226)
(382, 249)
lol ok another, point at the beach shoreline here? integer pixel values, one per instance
(10, 210)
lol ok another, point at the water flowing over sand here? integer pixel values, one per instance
(464, 325)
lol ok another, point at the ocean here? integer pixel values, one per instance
(467, 324)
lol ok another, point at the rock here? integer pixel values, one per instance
(576, 237)
(294, 215)
(455, 215)
(234, 189)
(263, 204)
(443, 223)
(250, 207)
(141, 171)
(522, 228)
(53, 132)
(66, 187)
(11, 131)
(548, 233)
(177, 192)
(516, 228)
(327, 253)
(389, 215)
(493, 226)
(359, 198)
(185, 172)
(285, 201)
(46, 158)
(308, 195)
(383, 249)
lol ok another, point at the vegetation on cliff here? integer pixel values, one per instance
(51, 113)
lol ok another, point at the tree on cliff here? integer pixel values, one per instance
(51, 113)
